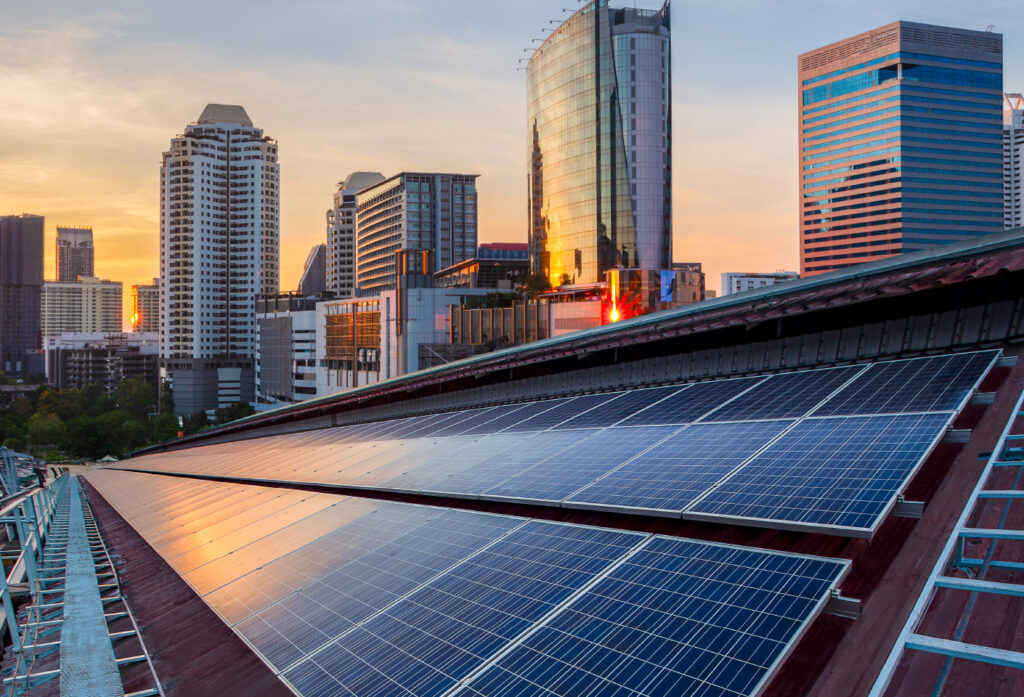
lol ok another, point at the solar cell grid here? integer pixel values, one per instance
(563, 411)
(558, 477)
(427, 642)
(466, 420)
(786, 396)
(692, 403)
(835, 472)
(513, 414)
(936, 383)
(495, 468)
(321, 611)
(676, 618)
(624, 405)
(430, 475)
(676, 471)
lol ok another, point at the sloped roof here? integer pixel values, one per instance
(224, 113)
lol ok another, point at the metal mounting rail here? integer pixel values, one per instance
(66, 633)
(954, 557)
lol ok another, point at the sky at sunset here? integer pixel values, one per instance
(91, 94)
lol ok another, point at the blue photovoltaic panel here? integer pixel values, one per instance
(429, 641)
(467, 420)
(786, 396)
(676, 618)
(692, 403)
(501, 417)
(624, 405)
(566, 410)
(495, 468)
(556, 478)
(451, 463)
(938, 383)
(676, 471)
(841, 472)
(323, 610)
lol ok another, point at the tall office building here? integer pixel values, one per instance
(314, 272)
(341, 233)
(219, 223)
(413, 210)
(899, 143)
(21, 281)
(146, 307)
(1013, 160)
(599, 144)
(75, 253)
(89, 304)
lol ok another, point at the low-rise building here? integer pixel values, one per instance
(286, 359)
(741, 281)
(77, 359)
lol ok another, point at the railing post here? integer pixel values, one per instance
(9, 616)
(27, 553)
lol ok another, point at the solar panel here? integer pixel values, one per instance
(502, 417)
(321, 611)
(673, 473)
(495, 468)
(937, 383)
(836, 473)
(568, 471)
(692, 403)
(785, 396)
(625, 404)
(425, 643)
(561, 412)
(675, 618)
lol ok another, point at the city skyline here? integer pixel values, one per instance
(130, 83)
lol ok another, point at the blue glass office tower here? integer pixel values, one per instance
(599, 144)
(900, 143)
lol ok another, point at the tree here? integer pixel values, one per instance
(164, 427)
(564, 280)
(135, 396)
(535, 284)
(45, 428)
(66, 404)
(237, 410)
(166, 397)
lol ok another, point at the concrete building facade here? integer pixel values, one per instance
(21, 281)
(219, 229)
(286, 361)
(599, 144)
(76, 255)
(314, 272)
(415, 211)
(77, 359)
(900, 131)
(89, 304)
(341, 233)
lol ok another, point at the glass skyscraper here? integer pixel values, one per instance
(599, 144)
(900, 143)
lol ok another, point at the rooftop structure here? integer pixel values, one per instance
(762, 485)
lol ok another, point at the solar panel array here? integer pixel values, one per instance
(825, 449)
(353, 596)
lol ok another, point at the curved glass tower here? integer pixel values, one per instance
(599, 135)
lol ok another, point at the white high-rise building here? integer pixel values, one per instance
(341, 233)
(219, 229)
(1013, 159)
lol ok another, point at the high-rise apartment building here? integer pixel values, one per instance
(314, 272)
(89, 304)
(341, 233)
(21, 280)
(146, 307)
(900, 131)
(75, 253)
(413, 210)
(599, 144)
(219, 224)
(1013, 160)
